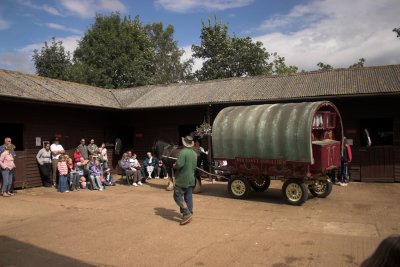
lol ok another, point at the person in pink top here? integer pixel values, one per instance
(63, 171)
(7, 165)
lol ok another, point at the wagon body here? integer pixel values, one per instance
(291, 140)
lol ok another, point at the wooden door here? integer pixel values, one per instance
(377, 164)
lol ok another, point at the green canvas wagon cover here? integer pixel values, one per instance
(270, 131)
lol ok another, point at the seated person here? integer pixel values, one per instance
(150, 166)
(108, 179)
(161, 170)
(95, 174)
(130, 171)
(135, 165)
(81, 168)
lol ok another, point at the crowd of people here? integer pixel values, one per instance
(89, 168)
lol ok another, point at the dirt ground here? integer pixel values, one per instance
(139, 226)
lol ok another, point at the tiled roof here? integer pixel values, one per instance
(31, 87)
(319, 84)
(379, 80)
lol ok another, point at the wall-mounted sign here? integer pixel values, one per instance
(38, 141)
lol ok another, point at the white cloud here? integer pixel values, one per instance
(335, 32)
(63, 28)
(21, 60)
(17, 61)
(47, 8)
(197, 62)
(88, 8)
(182, 6)
(4, 25)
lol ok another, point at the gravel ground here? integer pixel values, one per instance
(139, 226)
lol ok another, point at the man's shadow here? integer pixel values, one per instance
(168, 214)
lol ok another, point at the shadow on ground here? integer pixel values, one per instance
(168, 214)
(17, 253)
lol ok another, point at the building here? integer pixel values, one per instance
(35, 109)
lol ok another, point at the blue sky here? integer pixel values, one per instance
(305, 32)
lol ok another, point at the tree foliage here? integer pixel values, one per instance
(114, 53)
(279, 66)
(324, 67)
(359, 64)
(226, 56)
(52, 60)
(167, 66)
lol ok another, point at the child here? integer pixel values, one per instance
(73, 176)
(108, 177)
(63, 171)
(95, 173)
(83, 182)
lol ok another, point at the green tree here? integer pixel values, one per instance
(52, 60)
(114, 53)
(228, 57)
(324, 67)
(397, 30)
(359, 64)
(167, 65)
(279, 66)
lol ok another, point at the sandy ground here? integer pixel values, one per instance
(139, 226)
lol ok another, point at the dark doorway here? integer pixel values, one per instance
(376, 152)
(15, 132)
(380, 131)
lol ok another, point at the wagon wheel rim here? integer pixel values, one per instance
(319, 187)
(294, 192)
(260, 181)
(238, 187)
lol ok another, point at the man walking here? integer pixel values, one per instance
(185, 181)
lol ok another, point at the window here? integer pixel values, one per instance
(379, 131)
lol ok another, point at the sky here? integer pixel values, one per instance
(305, 32)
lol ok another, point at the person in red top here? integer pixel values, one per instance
(77, 156)
(347, 157)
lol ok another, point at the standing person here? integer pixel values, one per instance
(43, 158)
(103, 155)
(7, 141)
(63, 171)
(93, 148)
(346, 159)
(56, 151)
(83, 149)
(7, 166)
(185, 180)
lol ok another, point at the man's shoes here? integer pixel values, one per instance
(344, 184)
(186, 219)
(135, 184)
(139, 183)
(157, 177)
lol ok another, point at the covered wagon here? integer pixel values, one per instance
(299, 143)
